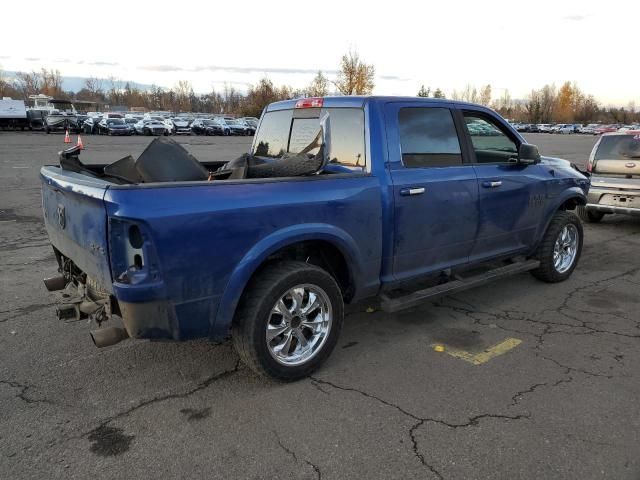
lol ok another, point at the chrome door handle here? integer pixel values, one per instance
(492, 184)
(412, 191)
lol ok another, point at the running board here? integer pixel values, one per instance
(391, 305)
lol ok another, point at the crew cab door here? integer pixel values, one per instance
(512, 196)
(435, 192)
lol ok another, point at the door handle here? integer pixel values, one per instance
(412, 191)
(492, 184)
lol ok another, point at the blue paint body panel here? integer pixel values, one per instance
(204, 240)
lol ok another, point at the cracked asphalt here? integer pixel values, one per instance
(562, 404)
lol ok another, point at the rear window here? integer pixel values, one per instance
(618, 147)
(290, 131)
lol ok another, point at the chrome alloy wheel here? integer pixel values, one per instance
(299, 324)
(565, 248)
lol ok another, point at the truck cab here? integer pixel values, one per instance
(408, 199)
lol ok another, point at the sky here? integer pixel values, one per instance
(512, 45)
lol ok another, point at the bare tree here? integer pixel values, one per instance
(28, 83)
(94, 85)
(319, 86)
(424, 92)
(485, 95)
(355, 77)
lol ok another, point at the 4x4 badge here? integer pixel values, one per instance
(62, 221)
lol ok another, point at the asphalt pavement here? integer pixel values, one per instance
(514, 380)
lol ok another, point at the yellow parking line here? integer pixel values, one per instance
(482, 357)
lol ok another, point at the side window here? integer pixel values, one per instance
(490, 143)
(428, 137)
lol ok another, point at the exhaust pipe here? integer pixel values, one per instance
(56, 283)
(105, 337)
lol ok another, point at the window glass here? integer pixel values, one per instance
(428, 138)
(281, 133)
(490, 143)
(619, 147)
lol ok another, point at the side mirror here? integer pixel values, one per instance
(528, 154)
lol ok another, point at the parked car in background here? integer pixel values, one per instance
(544, 127)
(627, 128)
(131, 123)
(208, 126)
(168, 124)
(113, 126)
(566, 128)
(250, 128)
(237, 127)
(251, 120)
(588, 129)
(614, 164)
(181, 126)
(90, 125)
(605, 129)
(150, 127)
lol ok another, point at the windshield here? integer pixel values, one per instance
(618, 147)
(290, 131)
(115, 121)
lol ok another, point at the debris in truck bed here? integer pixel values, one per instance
(164, 160)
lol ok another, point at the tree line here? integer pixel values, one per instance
(567, 104)
(548, 104)
(354, 77)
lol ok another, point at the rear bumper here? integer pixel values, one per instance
(613, 209)
(152, 320)
(613, 200)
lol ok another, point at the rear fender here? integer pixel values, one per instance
(268, 246)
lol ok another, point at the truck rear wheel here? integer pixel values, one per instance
(588, 216)
(560, 248)
(288, 320)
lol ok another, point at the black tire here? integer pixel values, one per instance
(253, 314)
(589, 216)
(547, 271)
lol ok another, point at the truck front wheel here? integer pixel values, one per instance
(560, 248)
(288, 320)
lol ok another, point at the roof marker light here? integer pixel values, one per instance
(314, 102)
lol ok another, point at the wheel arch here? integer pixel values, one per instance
(339, 247)
(569, 200)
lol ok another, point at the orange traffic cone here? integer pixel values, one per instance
(67, 139)
(79, 144)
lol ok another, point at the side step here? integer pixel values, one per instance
(391, 305)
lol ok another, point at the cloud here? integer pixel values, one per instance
(222, 68)
(103, 64)
(393, 77)
(162, 68)
(575, 18)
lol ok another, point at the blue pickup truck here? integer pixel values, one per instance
(340, 199)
